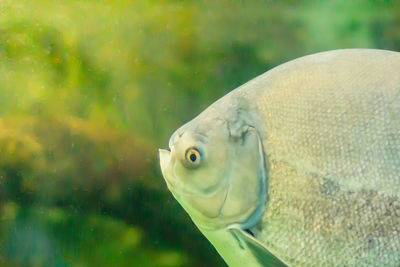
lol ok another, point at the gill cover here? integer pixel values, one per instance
(228, 185)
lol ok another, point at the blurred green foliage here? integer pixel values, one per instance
(90, 89)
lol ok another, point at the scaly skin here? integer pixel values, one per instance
(332, 142)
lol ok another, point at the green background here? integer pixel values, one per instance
(90, 89)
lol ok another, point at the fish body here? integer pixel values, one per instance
(300, 166)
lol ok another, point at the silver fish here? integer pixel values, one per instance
(299, 166)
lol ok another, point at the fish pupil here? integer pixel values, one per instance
(193, 157)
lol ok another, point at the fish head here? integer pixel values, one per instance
(214, 167)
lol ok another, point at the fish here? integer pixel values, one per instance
(300, 166)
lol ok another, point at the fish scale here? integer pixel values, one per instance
(355, 146)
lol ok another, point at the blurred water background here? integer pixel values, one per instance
(90, 89)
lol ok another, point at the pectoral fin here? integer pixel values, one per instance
(260, 252)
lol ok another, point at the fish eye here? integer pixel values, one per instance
(193, 156)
